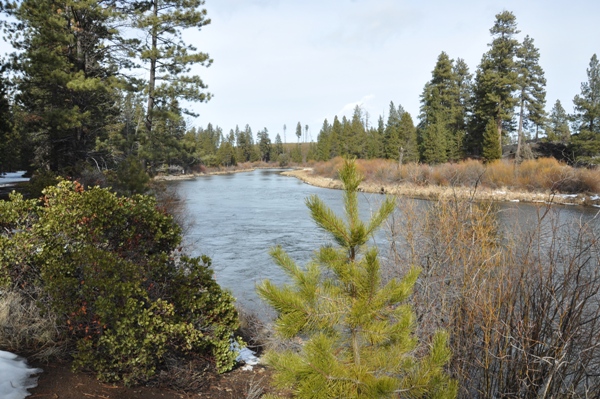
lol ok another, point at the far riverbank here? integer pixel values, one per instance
(434, 192)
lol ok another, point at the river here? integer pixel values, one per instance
(236, 218)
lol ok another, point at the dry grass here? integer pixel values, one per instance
(24, 329)
(541, 180)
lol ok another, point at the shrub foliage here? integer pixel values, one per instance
(107, 266)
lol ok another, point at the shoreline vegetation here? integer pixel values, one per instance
(323, 174)
(433, 193)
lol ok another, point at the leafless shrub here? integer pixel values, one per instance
(522, 308)
(169, 199)
(259, 335)
(256, 388)
(187, 375)
(540, 174)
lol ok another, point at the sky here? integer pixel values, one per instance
(282, 62)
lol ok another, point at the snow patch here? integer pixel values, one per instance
(595, 197)
(15, 376)
(567, 195)
(245, 355)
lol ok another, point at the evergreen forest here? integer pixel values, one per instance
(105, 89)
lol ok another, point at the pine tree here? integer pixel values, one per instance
(532, 95)
(586, 120)
(226, 153)
(278, 145)
(264, 145)
(391, 135)
(336, 137)
(461, 110)
(357, 135)
(67, 77)
(495, 83)
(9, 145)
(209, 140)
(298, 131)
(438, 100)
(168, 58)
(445, 109)
(358, 333)
(324, 142)
(557, 128)
(434, 141)
(345, 137)
(407, 134)
(374, 140)
(492, 149)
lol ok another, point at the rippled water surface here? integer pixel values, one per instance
(235, 219)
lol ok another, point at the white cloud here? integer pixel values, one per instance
(348, 109)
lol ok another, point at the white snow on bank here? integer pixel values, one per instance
(15, 376)
(595, 197)
(245, 355)
(11, 178)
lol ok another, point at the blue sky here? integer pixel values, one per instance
(281, 62)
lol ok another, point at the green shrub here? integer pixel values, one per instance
(108, 265)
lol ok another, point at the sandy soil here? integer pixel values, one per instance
(439, 192)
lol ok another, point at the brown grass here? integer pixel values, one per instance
(541, 180)
(25, 328)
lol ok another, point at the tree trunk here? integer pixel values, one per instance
(400, 157)
(520, 133)
(152, 78)
(499, 127)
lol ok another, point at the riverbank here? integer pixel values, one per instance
(432, 192)
(194, 175)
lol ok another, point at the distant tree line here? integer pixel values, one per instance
(100, 85)
(462, 116)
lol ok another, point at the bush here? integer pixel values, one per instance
(107, 264)
(522, 308)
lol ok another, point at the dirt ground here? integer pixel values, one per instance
(59, 382)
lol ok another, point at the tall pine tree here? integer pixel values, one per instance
(495, 82)
(586, 119)
(532, 93)
(168, 60)
(67, 77)
(557, 128)
(445, 110)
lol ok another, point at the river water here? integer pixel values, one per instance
(236, 218)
